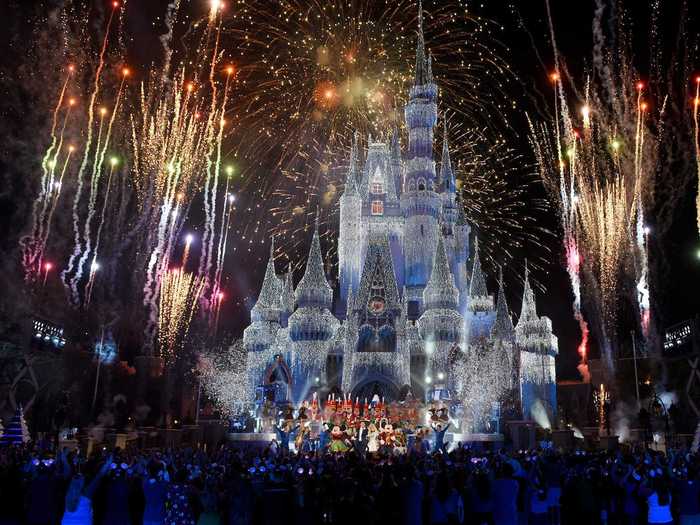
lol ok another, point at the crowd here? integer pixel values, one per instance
(247, 486)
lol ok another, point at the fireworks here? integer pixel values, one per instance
(310, 74)
(179, 293)
(34, 244)
(80, 254)
(602, 176)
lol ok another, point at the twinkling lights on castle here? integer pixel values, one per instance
(413, 311)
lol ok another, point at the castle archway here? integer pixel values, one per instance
(377, 385)
(278, 379)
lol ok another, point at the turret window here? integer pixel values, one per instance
(377, 188)
(377, 208)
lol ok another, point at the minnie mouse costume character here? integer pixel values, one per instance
(338, 438)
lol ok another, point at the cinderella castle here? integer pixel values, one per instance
(412, 311)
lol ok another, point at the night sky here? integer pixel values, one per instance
(525, 34)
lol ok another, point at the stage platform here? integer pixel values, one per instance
(478, 441)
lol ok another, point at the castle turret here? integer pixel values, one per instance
(350, 237)
(268, 307)
(448, 188)
(287, 300)
(420, 202)
(503, 325)
(503, 337)
(312, 326)
(396, 162)
(538, 346)
(480, 308)
(441, 324)
(260, 336)
(313, 290)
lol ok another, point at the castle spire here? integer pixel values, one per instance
(477, 284)
(395, 143)
(441, 292)
(288, 293)
(351, 178)
(423, 64)
(503, 325)
(529, 308)
(313, 289)
(446, 179)
(268, 303)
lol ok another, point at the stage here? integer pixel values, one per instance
(260, 440)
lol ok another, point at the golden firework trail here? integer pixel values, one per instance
(179, 294)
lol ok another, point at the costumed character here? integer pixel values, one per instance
(433, 411)
(338, 437)
(301, 416)
(372, 438)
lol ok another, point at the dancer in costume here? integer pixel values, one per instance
(338, 438)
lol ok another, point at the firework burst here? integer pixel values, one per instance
(599, 160)
(310, 74)
(179, 294)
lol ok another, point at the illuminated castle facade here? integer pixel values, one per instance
(407, 310)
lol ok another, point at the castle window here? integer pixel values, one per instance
(377, 208)
(421, 184)
(377, 188)
(411, 185)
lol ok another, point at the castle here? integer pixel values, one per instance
(409, 314)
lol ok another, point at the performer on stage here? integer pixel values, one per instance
(338, 438)
(285, 434)
(440, 444)
(361, 438)
(387, 439)
(372, 438)
(324, 438)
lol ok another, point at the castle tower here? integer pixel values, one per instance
(480, 312)
(396, 161)
(503, 336)
(260, 336)
(538, 347)
(312, 325)
(375, 353)
(287, 300)
(420, 202)
(350, 238)
(441, 324)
